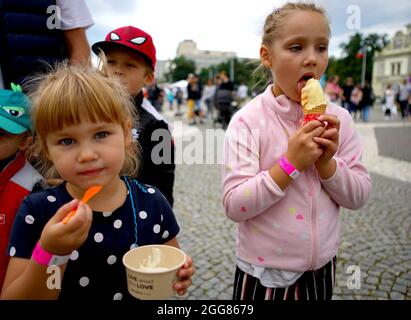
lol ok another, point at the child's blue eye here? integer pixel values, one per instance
(102, 134)
(66, 141)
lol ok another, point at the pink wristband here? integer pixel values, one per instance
(45, 258)
(288, 168)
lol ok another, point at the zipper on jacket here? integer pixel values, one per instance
(314, 228)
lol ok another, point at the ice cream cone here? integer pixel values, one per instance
(312, 100)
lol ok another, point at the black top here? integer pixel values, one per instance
(95, 270)
(160, 175)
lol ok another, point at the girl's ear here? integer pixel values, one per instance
(265, 56)
(127, 133)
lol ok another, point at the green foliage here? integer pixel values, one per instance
(243, 73)
(350, 65)
(180, 68)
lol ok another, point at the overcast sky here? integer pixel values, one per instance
(235, 25)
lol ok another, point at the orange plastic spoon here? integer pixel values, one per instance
(91, 192)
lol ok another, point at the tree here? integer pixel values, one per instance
(350, 64)
(243, 71)
(180, 68)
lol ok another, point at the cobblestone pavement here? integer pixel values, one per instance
(376, 239)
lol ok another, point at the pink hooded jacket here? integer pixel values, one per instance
(296, 229)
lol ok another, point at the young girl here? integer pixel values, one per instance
(83, 123)
(284, 183)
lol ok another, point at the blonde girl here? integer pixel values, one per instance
(83, 124)
(283, 182)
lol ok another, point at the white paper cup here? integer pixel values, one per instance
(152, 284)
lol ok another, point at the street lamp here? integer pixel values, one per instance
(364, 65)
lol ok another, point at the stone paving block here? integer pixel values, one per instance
(396, 296)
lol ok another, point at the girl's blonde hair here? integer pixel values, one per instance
(275, 20)
(274, 23)
(68, 95)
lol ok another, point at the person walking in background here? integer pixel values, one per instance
(242, 94)
(367, 100)
(223, 98)
(284, 185)
(332, 89)
(29, 44)
(356, 97)
(389, 107)
(208, 97)
(179, 101)
(155, 96)
(194, 99)
(346, 94)
(404, 95)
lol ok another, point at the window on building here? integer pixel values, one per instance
(395, 68)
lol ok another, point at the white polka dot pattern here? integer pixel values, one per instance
(12, 251)
(117, 224)
(118, 296)
(29, 219)
(107, 214)
(74, 255)
(133, 246)
(84, 281)
(143, 214)
(111, 259)
(151, 190)
(156, 228)
(51, 198)
(98, 237)
(165, 234)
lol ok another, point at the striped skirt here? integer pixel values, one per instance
(312, 285)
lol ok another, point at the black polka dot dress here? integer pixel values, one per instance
(95, 270)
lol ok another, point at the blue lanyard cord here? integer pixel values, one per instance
(132, 206)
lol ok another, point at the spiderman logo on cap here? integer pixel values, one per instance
(137, 41)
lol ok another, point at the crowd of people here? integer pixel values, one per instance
(359, 99)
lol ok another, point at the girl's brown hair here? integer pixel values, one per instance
(68, 95)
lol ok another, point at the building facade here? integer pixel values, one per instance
(393, 64)
(203, 58)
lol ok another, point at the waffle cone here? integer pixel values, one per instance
(316, 110)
